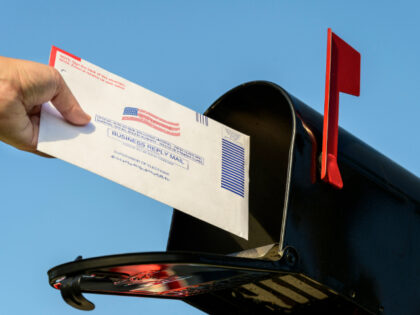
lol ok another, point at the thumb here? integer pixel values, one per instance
(67, 104)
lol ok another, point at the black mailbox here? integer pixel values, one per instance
(361, 242)
(312, 248)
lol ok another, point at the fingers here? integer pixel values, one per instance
(67, 104)
(24, 85)
(35, 110)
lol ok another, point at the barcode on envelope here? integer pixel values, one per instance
(233, 167)
(204, 120)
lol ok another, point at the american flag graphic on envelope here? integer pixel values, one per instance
(151, 120)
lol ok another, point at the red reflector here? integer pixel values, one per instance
(166, 280)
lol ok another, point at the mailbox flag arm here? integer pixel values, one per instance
(342, 75)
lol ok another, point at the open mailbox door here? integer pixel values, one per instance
(161, 275)
(311, 248)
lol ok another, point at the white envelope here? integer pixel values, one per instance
(151, 144)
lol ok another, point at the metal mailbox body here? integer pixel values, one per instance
(362, 242)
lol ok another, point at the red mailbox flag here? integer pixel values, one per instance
(343, 75)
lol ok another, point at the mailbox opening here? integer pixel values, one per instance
(263, 111)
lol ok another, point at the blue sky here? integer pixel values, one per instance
(191, 52)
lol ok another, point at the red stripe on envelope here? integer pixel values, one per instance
(148, 122)
(53, 55)
(142, 111)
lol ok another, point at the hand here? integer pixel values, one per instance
(24, 87)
